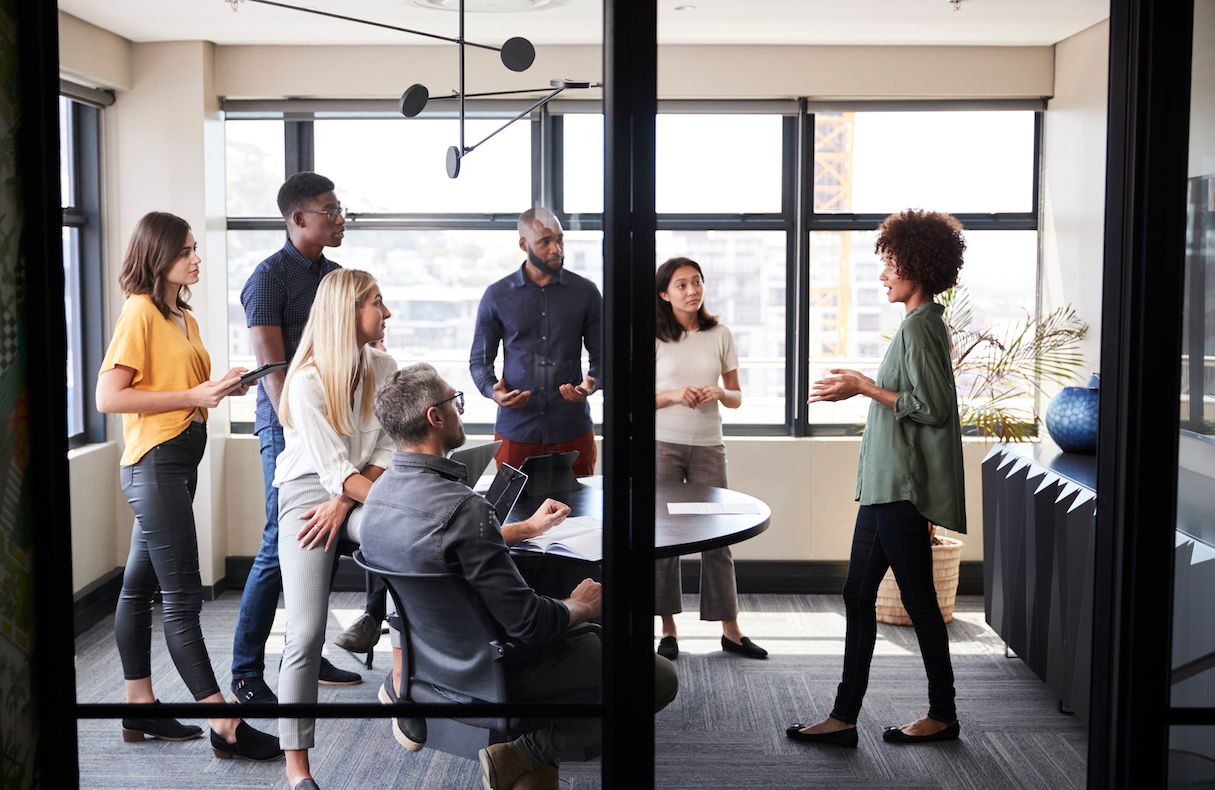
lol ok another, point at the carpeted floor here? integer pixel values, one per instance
(725, 730)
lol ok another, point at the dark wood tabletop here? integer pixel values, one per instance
(673, 535)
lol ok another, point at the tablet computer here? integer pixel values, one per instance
(550, 474)
(264, 370)
(476, 460)
(504, 492)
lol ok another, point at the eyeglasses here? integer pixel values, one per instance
(332, 213)
(458, 398)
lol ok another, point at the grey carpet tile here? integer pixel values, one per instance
(725, 729)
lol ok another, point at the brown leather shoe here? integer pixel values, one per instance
(502, 764)
(543, 778)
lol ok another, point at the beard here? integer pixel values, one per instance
(456, 440)
(542, 264)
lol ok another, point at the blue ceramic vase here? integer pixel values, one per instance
(1071, 417)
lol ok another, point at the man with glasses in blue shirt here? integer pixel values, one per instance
(542, 315)
(277, 299)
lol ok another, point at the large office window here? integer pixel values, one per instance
(80, 178)
(726, 197)
(978, 165)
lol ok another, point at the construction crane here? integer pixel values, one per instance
(833, 193)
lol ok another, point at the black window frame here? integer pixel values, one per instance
(84, 278)
(797, 218)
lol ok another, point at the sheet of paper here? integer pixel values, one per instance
(571, 529)
(710, 508)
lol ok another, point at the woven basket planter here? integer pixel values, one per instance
(946, 559)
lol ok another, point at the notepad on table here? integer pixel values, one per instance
(710, 508)
(579, 537)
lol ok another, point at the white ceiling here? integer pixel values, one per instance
(858, 22)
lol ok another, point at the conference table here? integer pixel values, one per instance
(674, 535)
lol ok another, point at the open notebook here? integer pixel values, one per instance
(579, 537)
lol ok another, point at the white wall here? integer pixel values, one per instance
(1073, 182)
(725, 72)
(163, 150)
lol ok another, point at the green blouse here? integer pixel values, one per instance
(914, 451)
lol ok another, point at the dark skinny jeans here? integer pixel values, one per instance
(164, 550)
(892, 535)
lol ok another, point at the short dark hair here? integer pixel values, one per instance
(666, 326)
(402, 400)
(927, 247)
(299, 189)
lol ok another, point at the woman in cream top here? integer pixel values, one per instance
(334, 451)
(696, 368)
(156, 373)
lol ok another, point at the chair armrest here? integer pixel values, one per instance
(505, 648)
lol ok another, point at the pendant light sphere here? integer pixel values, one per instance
(413, 100)
(453, 161)
(518, 54)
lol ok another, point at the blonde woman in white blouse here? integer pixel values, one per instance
(696, 368)
(334, 451)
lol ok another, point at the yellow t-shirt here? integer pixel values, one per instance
(164, 360)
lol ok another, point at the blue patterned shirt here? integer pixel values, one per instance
(542, 331)
(280, 293)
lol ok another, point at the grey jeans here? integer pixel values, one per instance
(576, 667)
(686, 463)
(306, 577)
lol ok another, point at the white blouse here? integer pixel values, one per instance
(312, 446)
(698, 359)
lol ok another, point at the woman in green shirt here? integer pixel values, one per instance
(909, 476)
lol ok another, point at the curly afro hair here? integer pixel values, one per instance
(927, 247)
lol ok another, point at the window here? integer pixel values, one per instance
(79, 176)
(720, 189)
(977, 165)
(726, 197)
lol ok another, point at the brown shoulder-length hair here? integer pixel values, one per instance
(666, 327)
(927, 247)
(155, 244)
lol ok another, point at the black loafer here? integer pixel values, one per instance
(165, 729)
(252, 691)
(896, 735)
(306, 784)
(332, 676)
(746, 648)
(250, 744)
(846, 738)
(668, 648)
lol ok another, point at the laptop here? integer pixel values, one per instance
(504, 492)
(551, 474)
(476, 460)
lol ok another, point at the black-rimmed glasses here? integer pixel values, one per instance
(458, 398)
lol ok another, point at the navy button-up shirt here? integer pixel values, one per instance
(542, 332)
(280, 293)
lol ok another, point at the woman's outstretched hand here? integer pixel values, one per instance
(840, 385)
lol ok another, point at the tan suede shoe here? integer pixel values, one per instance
(502, 764)
(543, 778)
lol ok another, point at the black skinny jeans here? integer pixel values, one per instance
(892, 535)
(164, 550)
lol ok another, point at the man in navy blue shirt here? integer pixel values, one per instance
(277, 299)
(542, 315)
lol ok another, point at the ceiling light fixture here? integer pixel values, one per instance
(516, 53)
(957, 4)
(685, 8)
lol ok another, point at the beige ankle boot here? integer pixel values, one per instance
(502, 764)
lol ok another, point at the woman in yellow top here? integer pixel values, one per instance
(156, 373)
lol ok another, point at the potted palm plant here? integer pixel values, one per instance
(1000, 374)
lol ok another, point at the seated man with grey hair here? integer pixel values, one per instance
(421, 517)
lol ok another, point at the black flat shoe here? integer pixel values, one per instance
(668, 648)
(896, 735)
(250, 744)
(330, 675)
(747, 648)
(252, 691)
(134, 730)
(846, 738)
(306, 784)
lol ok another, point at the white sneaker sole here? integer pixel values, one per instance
(404, 739)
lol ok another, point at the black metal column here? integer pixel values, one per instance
(630, 103)
(1149, 92)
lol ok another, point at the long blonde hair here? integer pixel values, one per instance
(330, 346)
